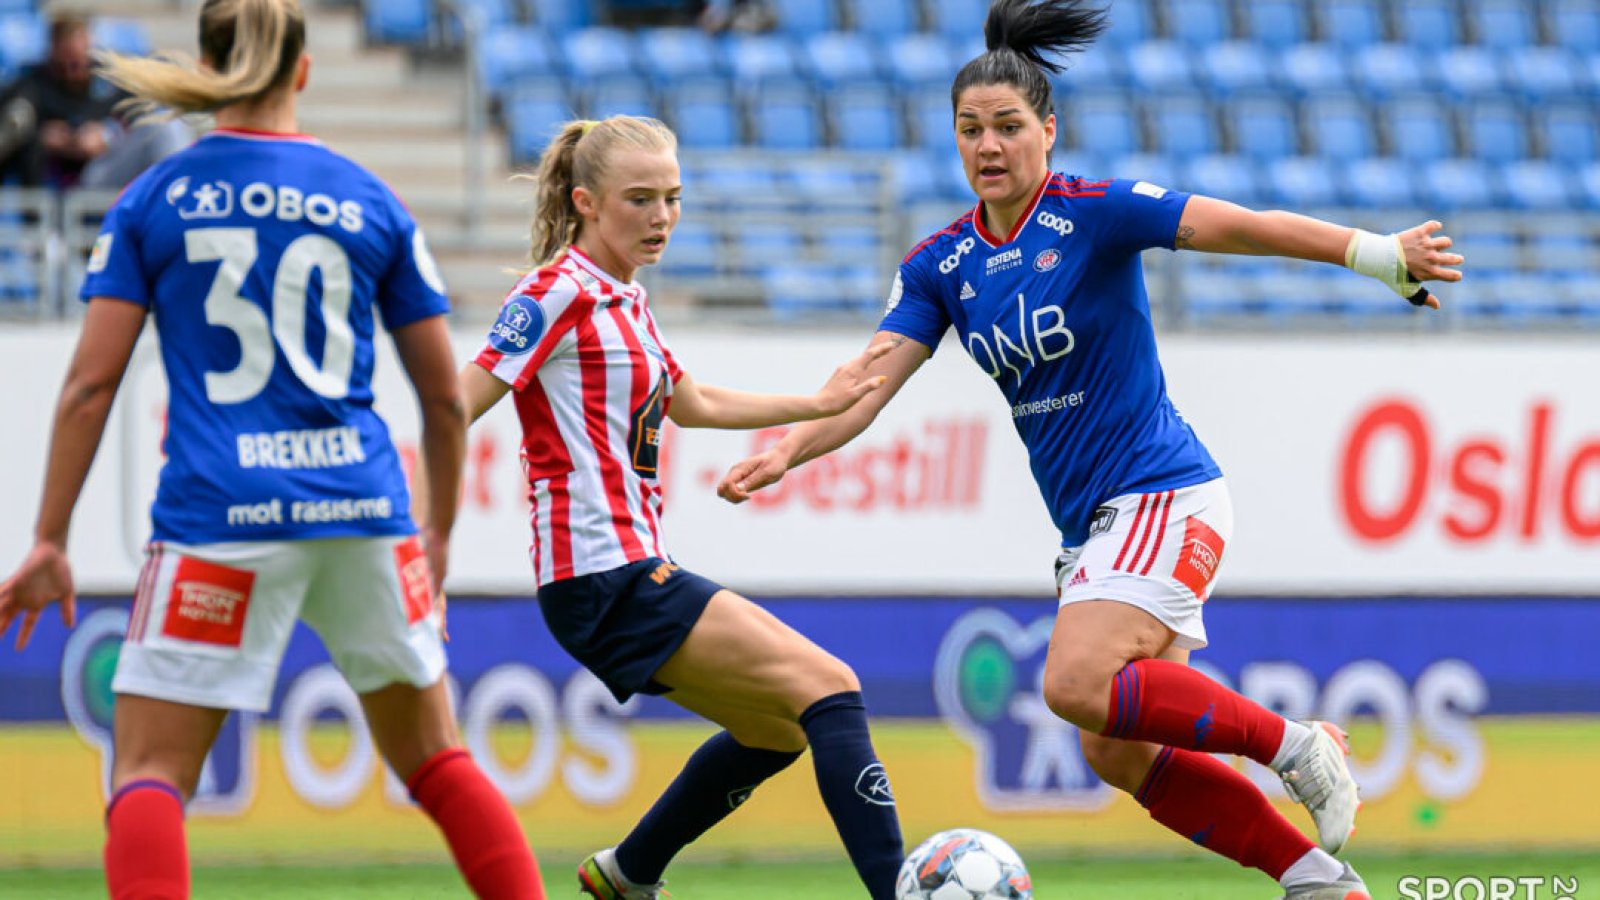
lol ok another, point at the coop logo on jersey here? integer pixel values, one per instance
(953, 261)
(986, 681)
(519, 326)
(1047, 259)
(1003, 261)
(101, 254)
(1055, 223)
(211, 200)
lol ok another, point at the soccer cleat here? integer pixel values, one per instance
(599, 877)
(1348, 886)
(1320, 780)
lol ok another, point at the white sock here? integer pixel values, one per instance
(1297, 738)
(1316, 867)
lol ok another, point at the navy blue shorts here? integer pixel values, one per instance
(624, 623)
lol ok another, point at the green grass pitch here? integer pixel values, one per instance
(1058, 879)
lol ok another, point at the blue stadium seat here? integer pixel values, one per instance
(1083, 165)
(837, 58)
(932, 121)
(1103, 124)
(512, 54)
(1182, 125)
(1262, 126)
(852, 245)
(1319, 68)
(125, 36)
(754, 59)
(1589, 184)
(883, 18)
(1275, 23)
(668, 55)
(534, 114)
(1233, 66)
(703, 114)
(1130, 22)
(1503, 24)
(1158, 66)
(1339, 127)
(805, 17)
(795, 291)
(1489, 250)
(784, 117)
(1469, 71)
(24, 40)
(1565, 251)
(1228, 177)
(915, 61)
(1304, 182)
(1566, 132)
(18, 7)
(821, 183)
(957, 20)
(1428, 25)
(397, 21)
(1495, 132)
(1454, 184)
(1350, 23)
(490, 14)
(1152, 167)
(1539, 185)
(1543, 74)
(596, 53)
(1381, 182)
(694, 251)
(621, 97)
(1574, 25)
(558, 16)
(915, 175)
(864, 119)
(1382, 70)
(1100, 66)
(1198, 22)
(768, 243)
(744, 176)
(1418, 128)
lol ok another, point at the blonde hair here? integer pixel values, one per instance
(252, 47)
(580, 156)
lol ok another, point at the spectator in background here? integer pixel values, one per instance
(54, 118)
(134, 146)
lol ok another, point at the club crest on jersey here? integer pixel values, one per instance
(1047, 259)
(1003, 261)
(101, 254)
(211, 200)
(519, 326)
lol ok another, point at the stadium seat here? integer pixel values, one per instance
(1319, 68)
(1158, 66)
(932, 121)
(1566, 132)
(1417, 128)
(669, 55)
(1574, 25)
(914, 175)
(1275, 23)
(1381, 182)
(559, 16)
(784, 117)
(1129, 22)
(1542, 74)
(1428, 25)
(597, 53)
(703, 114)
(1502, 24)
(1382, 70)
(795, 291)
(1182, 125)
(883, 18)
(916, 61)
(1197, 23)
(1563, 250)
(800, 18)
(742, 176)
(1490, 250)
(24, 40)
(512, 54)
(767, 243)
(754, 59)
(1350, 23)
(1539, 185)
(1304, 182)
(852, 245)
(1100, 66)
(864, 118)
(1589, 184)
(397, 21)
(837, 58)
(620, 97)
(1456, 184)
(1262, 126)
(1339, 127)
(1227, 177)
(1495, 132)
(125, 36)
(1230, 67)
(694, 250)
(18, 7)
(490, 14)
(1104, 124)
(533, 115)
(1469, 72)
(1152, 167)
(957, 20)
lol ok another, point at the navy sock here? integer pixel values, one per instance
(855, 789)
(714, 782)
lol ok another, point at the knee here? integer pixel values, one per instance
(769, 733)
(1121, 764)
(823, 676)
(1078, 693)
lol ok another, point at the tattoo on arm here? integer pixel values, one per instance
(898, 339)
(1185, 238)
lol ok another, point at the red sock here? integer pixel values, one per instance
(146, 857)
(1209, 803)
(1163, 702)
(483, 833)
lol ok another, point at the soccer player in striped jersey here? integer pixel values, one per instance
(1043, 284)
(266, 261)
(592, 380)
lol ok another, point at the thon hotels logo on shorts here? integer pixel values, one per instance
(986, 682)
(519, 326)
(208, 603)
(88, 665)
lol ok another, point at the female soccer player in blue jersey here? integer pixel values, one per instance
(1043, 285)
(266, 261)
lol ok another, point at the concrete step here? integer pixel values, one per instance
(330, 33)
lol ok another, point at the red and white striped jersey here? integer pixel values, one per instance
(592, 379)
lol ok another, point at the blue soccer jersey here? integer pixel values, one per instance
(265, 260)
(1056, 313)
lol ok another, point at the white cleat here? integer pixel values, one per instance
(599, 877)
(1348, 886)
(1319, 779)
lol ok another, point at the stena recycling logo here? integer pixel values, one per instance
(986, 681)
(227, 781)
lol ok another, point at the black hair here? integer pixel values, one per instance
(1022, 37)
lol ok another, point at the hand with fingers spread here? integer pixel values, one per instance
(43, 577)
(850, 383)
(1404, 260)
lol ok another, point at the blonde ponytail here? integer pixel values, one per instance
(252, 47)
(580, 156)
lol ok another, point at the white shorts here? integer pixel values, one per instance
(210, 621)
(1160, 552)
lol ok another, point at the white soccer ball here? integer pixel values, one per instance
(963, 864)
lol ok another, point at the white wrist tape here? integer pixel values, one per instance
(1380, 256)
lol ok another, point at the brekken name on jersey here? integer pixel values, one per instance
(311, 448)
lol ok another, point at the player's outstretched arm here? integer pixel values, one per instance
(110, 331)
(817, 438)
(696, 405)
(1402, 261)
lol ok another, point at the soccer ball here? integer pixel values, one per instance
(963, 864)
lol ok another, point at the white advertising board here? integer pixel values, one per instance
(1369, 464)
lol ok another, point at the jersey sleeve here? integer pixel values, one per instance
(412, 289)
(116, 266)
(1142, 216)
(913, 308)
(535, 323)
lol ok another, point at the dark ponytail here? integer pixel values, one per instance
(1022, 37)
